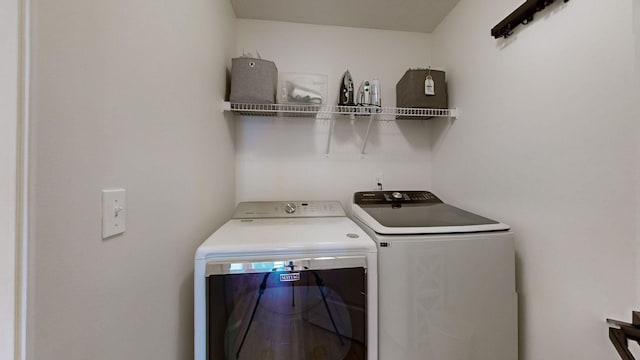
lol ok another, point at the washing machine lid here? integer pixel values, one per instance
(416, 212)
(267, 229)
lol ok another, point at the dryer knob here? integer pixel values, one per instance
(290, 208)
(396, 195)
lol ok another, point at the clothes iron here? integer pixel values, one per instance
(346, 95)
(364, 93)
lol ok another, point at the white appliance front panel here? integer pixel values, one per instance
(447, 297)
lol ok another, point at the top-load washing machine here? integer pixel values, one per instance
(446, 278)
(286, 280)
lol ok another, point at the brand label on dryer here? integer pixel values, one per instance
(290, 277)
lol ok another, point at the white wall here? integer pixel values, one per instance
(548, 145)
(125, 94)
(8, 145)
(285, 158)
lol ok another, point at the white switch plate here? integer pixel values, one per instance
(114, 212)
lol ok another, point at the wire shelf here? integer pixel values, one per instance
(330, 111)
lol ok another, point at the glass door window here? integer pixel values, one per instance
(277, 310)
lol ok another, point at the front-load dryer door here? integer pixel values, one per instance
(287, 309)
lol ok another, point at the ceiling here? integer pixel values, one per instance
(403, 15)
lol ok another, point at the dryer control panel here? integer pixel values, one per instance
(287, 209)
(395, 197)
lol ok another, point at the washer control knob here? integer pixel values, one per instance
(396, 195)
(290, 208)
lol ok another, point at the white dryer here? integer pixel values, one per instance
(446, 278)
(286, 280)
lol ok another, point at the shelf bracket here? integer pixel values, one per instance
(333, 124)
(366, 136)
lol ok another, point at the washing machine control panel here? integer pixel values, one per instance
(288, 209)
(394, 197)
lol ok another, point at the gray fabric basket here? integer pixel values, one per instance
(253, 81)
(410, 90)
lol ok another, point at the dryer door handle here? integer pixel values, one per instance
(284, 264)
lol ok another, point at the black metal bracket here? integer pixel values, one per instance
(522, 15)
(622, 333)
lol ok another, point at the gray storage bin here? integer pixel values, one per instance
(410, 90)
(253, 81)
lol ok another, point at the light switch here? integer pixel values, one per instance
(114, 212)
